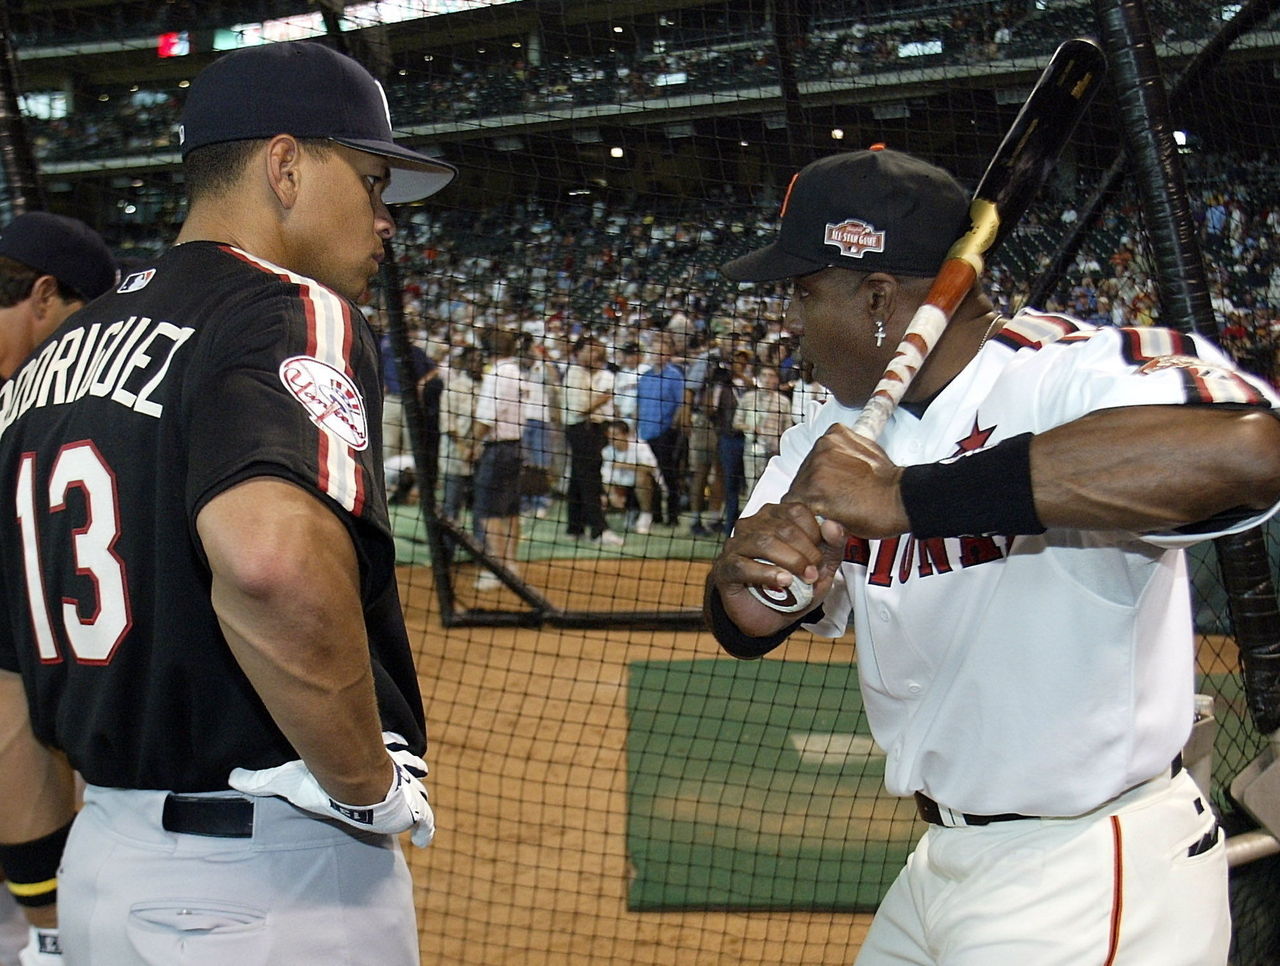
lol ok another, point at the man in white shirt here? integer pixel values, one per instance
(457, 442)
(630, 474)
(497, 429)
(624, 383)
(588, 400)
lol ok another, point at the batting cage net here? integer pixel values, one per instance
(610, 787)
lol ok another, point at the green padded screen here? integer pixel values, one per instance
(757, 785)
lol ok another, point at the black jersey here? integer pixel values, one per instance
(210, 368)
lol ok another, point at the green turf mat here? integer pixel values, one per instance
(756, 785)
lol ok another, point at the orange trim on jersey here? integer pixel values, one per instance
(1117, 891)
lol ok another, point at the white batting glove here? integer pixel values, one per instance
(42, 948)
(405, 807)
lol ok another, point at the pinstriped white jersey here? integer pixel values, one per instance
(1032, 674)
(207, 369)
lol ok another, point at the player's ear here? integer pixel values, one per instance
(44, 295)
(283, 165)
(879, 293)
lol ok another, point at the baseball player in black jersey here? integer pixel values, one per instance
(198, 571)
(50, 266)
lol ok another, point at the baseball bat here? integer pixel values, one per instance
(1017, 171)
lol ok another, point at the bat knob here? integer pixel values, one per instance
(787, 600)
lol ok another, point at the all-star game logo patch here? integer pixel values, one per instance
(329, 397)
(854, 238)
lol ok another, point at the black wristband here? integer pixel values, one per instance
(743, 645)
(986, 492)
(31, 868)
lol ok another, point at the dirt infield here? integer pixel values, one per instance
(528, 735)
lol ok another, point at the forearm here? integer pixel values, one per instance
(286, 591)
(46, 802)
(1154, 468)
(46, 781)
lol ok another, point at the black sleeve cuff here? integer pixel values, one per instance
(986, 492)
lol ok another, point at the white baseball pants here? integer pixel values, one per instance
(300, 891)
(1118, 886)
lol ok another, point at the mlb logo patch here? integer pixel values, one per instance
(136, 281)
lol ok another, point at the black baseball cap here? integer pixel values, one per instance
(310, 91)
(872, 211)
(65, 248)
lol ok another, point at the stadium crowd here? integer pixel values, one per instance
(738, 53)
(640, 292)
(638, 289)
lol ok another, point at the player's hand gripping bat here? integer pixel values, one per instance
(1017, 171)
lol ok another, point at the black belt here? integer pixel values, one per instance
(931, 812)
(228, 818)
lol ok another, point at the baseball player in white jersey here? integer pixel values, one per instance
(1010, 557)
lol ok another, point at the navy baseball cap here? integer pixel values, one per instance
(310, 91)
(871, 211)
(65, 248)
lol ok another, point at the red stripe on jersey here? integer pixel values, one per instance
(1204, 381)
(1143, 344)
(309, 310)
(352, 491)
(313, 344)
(1117, 891)
(322, 461)
(1034, 330)
(348, 342)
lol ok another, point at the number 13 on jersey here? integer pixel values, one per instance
(92, 628)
